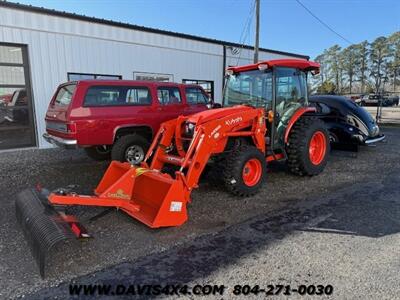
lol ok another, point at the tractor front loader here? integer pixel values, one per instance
(242, 138)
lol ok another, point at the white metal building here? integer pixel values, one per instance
(41, 48)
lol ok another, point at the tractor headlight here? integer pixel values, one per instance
(189, 129)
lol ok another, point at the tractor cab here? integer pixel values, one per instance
(280, 86)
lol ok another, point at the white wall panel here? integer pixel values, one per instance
(58, 45)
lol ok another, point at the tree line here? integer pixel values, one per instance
(360, 68)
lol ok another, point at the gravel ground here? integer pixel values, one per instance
(338, 228)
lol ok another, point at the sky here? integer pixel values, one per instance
(284, 25)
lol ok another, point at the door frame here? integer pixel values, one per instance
(28, 86)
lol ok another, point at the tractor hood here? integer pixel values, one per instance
(214, 114)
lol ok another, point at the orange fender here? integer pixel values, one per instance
(294, 119)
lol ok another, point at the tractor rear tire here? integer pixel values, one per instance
(308, 148)
(245, 171)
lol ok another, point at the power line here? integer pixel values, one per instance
(323, 23)
(243, 35)
(246, 30)
(257, 37)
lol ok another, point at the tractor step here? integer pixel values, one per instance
(43, 225)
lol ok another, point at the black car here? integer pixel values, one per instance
(347, 122)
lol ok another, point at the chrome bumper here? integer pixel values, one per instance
(374, 140)
(60, 142)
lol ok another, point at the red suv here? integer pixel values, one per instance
(117, 118)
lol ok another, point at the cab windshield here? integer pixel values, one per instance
(251, 87)
(255, 88)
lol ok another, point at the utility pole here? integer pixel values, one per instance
(256, 44)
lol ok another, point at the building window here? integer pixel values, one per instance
(207, 85)
(168, 95)
(145, 76)
(83, 76)
(17, 128)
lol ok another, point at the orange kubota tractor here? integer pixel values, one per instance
(266, 117)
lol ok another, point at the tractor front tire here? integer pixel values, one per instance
(245, 171)
(308, 148)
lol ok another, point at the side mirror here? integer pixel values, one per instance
(315, 72)
(217, 105)
(214, 105)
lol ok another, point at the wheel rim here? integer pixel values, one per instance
(317, 148)
(252, 171)
(332, 138)
(134, 154)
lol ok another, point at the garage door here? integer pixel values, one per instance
(16, 113)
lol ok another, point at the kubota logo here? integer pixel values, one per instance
(120, 194)
(233, 121)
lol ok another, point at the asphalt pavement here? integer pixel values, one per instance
(340, 228)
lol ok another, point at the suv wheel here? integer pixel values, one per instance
(99, 152)
(131, 148)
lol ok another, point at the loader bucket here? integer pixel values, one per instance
(42, 226)
(160, 199)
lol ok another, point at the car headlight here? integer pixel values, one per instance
(375, 130)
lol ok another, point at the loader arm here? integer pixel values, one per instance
(209, 138)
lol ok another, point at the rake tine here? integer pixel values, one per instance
(42, 226)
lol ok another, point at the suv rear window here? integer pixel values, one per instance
(117, 96)
(64, 94)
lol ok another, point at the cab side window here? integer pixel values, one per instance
(290, 89)
(168, 95)
(195, 96)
